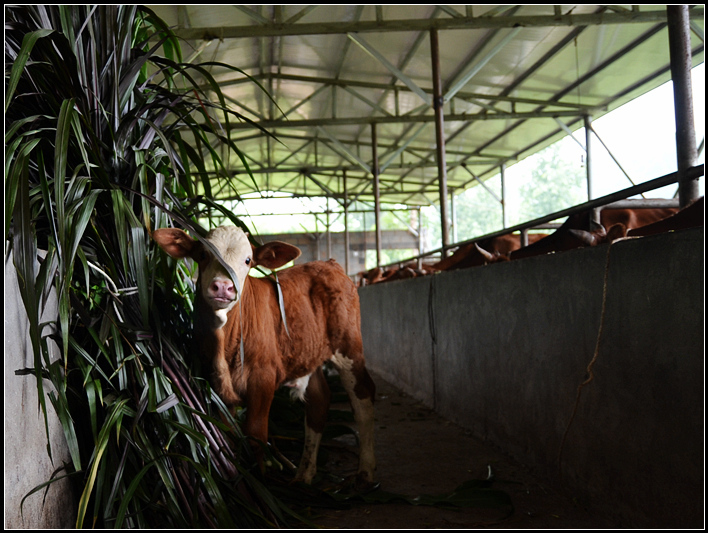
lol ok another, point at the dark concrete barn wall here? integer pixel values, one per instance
(502, 350)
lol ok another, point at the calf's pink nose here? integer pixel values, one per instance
(222, 288)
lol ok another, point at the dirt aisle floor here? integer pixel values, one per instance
(420, 453)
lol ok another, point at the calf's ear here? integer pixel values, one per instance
(175, 242)
(275, 254)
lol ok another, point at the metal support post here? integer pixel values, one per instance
(440, 138)
(420, 238)
(329, 232)
(524, 237)
(502, 177)
(453, 216)
(680, 54)
(587, 120)
(346, 223)
(377, 199)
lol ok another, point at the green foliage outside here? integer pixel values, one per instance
(553, 179)
(548, 181)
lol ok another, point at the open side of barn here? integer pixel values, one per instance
(504, 350)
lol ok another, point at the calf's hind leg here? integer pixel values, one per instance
(361, 391)
(317, 399)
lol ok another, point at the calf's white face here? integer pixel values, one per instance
(215, 285)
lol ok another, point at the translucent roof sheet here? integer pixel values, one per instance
(341, 73)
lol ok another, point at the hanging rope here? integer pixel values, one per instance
(433, 336)
(591, 364)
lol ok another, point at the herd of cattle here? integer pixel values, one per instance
(577, 231)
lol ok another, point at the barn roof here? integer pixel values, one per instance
(514, 79)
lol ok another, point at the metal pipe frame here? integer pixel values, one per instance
(417, 191)
(616, 199)
(440, 139)
(270, 29)
(680, 52)
(377, 204)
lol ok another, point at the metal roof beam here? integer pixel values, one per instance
(305, 100)
(348, 121)
(408, 82)
(390, 87)
(619, 54)
(484, 185)
(304, 11)
(458, 23)
(479, 65)
(294, 152)
(390, 146)
(343, 150)
(257, 17)
(402, 148)
(572, 35)
(373, 105)
(356, 167)
(570, 133)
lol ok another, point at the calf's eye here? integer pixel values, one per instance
(248, 260)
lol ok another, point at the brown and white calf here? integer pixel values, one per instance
(323, 324)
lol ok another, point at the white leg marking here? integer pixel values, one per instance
(299, 386)
(363, 415)
(344, 367)
(308, 464)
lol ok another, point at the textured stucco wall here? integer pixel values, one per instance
(27, 463)
(502, 350)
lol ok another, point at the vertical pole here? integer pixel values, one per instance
(502, 176)
(453, 216)
(524, 237)
(440, 139)
(364, 238)
(329, 233)
(420, 238)
(680, 54)
(377, 199)
(346, 224)
(587, 121)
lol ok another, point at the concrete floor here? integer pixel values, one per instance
(420, 453)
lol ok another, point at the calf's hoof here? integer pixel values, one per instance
(358, 484)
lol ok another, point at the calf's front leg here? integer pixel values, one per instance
(259, 397)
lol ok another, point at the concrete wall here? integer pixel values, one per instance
(502, 350)
(27, 463)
